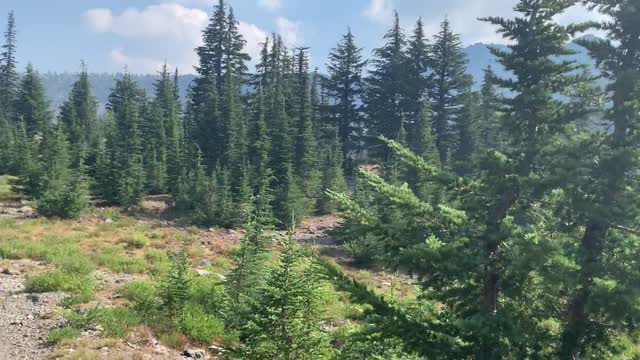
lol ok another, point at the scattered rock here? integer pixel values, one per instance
(205, 262)
(194, 353)
(7, 271)
(108, 221)
(217, 350)
(231, 232)
(202, 272)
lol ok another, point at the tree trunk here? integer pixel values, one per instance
(593, 239)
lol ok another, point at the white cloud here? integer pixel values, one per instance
(290, 31)
(380, 11)
(464, 14)
(270, 5)
(168, 30)
(172, 20)
(254, 37)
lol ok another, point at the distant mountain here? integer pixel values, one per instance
(57, 85)
(480, 57)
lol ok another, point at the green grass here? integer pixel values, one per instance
(112, 258)
(57, 335)
(117, 322)
(136, 239)
(60, 281)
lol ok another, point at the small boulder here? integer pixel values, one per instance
(194, 353)
(217, 350)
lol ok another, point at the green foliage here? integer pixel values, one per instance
(284, 323)
(136, 240)
(56, 336)
(199, 326)
(174, 291)
(118, 321)
(59, 281)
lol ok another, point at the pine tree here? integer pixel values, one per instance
(464, 131)
(332, 175)
(235, 139)
(8, 72)
(489, 135)
(285, 321)
(65, 191)
(305, 146)
(386, 88)
(166, 110)
(449, 66)
(174, 291)
(260, 139)
(211, 52)
(603, 200)
(26, 163)
(345, 86)
(127, 103)
(291, 203)
(31, 105)
(79, 114)
(417, 86)
(7, 145)
(533, 116)
(250, 270)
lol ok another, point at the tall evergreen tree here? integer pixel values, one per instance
(345, 86)
(604, 198)
(166, 112)
(489, 136)
(417, 84)
(65, 191)
(79, 114)
(7, 145)
(305, 147)
(448, 81)
(31, 104)
(126, 103)
(464, 131)
(8, 72)
(386, 88)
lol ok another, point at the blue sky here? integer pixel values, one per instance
(141, 34)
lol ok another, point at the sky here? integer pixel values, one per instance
(142, 34)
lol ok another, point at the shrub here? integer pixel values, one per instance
(59, 281)
(66, 202)
(111, 214)
(57, 335)
(207, 291)
(118, 321)
(74, 265)
(173, 340)
(363, 250)
(199, 326)
(136, 240)
(142, 294)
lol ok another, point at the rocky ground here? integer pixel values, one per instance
(25, 319)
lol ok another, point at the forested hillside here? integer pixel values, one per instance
(512, 212)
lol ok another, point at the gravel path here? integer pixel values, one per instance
(25, 319)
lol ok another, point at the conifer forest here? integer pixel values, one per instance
(387, 205)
